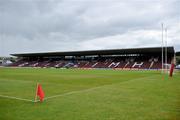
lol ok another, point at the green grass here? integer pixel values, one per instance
(95, 95)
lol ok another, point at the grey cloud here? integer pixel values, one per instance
(63, 24)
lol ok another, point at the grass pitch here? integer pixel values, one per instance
(73, 94)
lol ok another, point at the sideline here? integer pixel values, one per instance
(17, 98)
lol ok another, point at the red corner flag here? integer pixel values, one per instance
(171, 70)
(40, 92)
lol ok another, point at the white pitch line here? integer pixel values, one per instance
(90, 89)
(17, 98)
(69, 93)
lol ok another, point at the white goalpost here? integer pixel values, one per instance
(162, 44)
(166, 61)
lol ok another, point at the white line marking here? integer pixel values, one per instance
(69, 93)
(17, 98)
(90, 89)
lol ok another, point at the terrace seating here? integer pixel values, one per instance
(137, 65)
(22, 64)
(128, 65)
(114, 65)
(123, 62)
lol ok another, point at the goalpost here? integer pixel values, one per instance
(164, 51)
(162, 67)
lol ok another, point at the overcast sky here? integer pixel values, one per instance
(68, 25)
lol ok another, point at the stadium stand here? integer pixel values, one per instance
(134, 58)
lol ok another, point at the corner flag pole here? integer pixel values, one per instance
(35, 98)
(162, 51)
